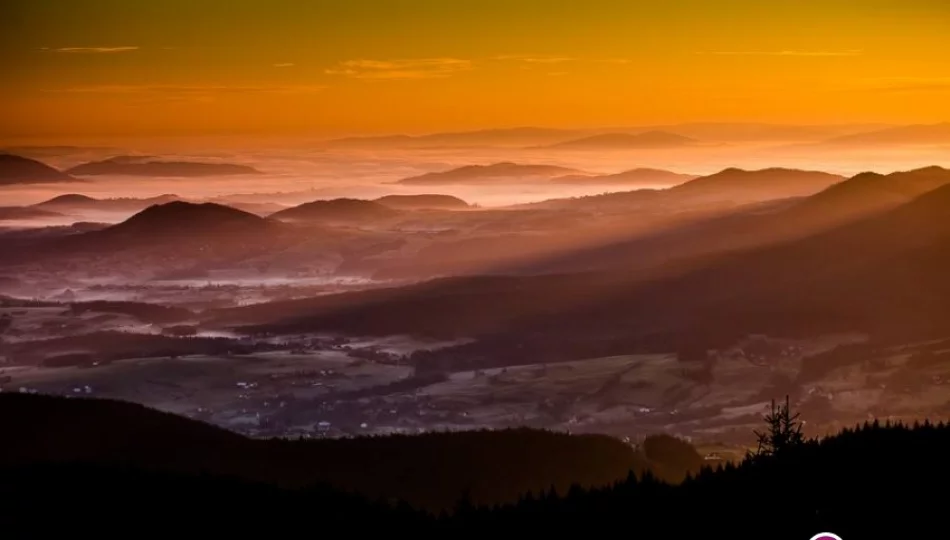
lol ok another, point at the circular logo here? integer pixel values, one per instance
(826, 536)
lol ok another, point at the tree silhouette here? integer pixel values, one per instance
(784, 431)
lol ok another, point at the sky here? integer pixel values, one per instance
(74, 69)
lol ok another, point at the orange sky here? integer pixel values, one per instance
(87, 68)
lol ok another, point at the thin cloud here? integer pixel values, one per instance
(284, 65)
(534, 59)
(546, 59)
(785, 53)
(91, 49)
(419, 68)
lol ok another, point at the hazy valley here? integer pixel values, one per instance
(570, 280)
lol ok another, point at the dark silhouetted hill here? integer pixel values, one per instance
(627, 141)
(183, 218)
(170, 235)
(740, 185)
(741, 501)
(68, 199)
(336, 210)
(148, 166)
(16, 170)
(430, 471)
(75, 458)
(423, 202)
(505, 172)
(74, 202)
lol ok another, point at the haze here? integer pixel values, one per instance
(629, 229)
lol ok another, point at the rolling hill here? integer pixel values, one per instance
(336, 211)
(168, 235)
(16, 170)
(423, 202)
(756, 225)
(442, 465)
(891, 284)
(74, 202)
(184, 218)
(152, 468)
(743, 186)
(729, 187)
(504, 172)
(148, 166)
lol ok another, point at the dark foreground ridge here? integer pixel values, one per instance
(108, 465)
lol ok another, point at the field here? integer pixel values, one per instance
(365, 386)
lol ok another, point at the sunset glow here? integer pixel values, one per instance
(332, 68)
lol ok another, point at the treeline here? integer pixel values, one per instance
(429, 470)
(874, 481)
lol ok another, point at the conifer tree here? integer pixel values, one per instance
(784, 430)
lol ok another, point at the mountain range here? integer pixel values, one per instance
(882, 273)
(710, 132)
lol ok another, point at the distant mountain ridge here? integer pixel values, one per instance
(538, 136)
(514, 137)
(732, 186)
(423, 202)
(501, 172)
(750, 185)
(16, 170)
(627, 141)
(150, 166)
(336, 210)
(78, 202)
(904, 135)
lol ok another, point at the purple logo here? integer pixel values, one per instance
(826, 536)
